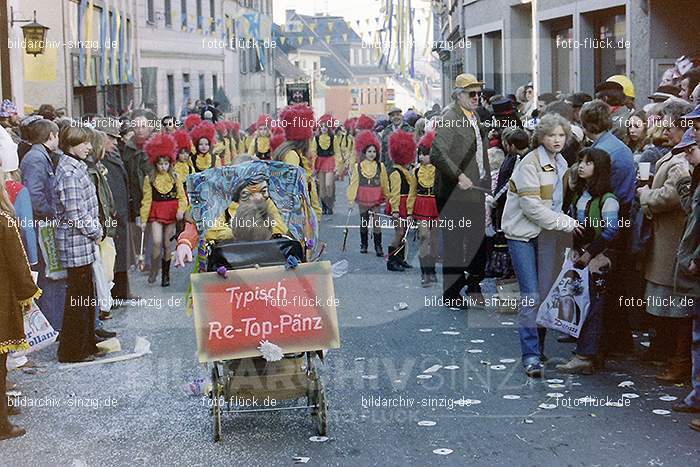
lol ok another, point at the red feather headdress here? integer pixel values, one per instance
(365, 139)
(204, 130)
(402, 147)
(298, 122)
(192, 121)
(160, 145)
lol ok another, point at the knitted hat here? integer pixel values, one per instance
(365, 139)
(298, 122)
(276, 140)
(426, 142)
(160, 145)
(183, 140)
(8, 108)
(192, 121)
(204, 130)
(402, 147)
(364, 123)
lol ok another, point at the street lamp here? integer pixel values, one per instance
(34, 34)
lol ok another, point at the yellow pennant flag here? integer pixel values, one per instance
(300, 39)
(89, 39)
(312, 27)
(331, 26)
(328, 39)
(311, 39)
(283, 39)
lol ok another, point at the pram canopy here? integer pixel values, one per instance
(212, 191)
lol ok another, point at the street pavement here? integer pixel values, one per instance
(456, 391)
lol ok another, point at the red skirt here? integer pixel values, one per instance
(325, 164)
(403, 211)
(369, 196)
(163, 212)
(425, 208)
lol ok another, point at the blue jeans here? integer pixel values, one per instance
(524, 258)
(592, 330)
(693, 399)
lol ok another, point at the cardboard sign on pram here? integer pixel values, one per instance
(292, 308)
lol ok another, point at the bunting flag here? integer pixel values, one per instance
(88, 37)
(300, 39)
(345, 36)
(81, 37)
(331, 25)
(311, 39)
(116, 24)
(312, 27)
(328, 39)
(283, 39)
(122, 49)
(129, 56)
(103, 44)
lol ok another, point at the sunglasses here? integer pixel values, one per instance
(473, 94)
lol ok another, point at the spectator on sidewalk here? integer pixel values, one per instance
(38, 175)
(77, 233)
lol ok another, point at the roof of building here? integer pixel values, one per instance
(285, 68)
(328, 33)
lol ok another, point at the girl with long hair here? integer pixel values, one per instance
(596, 208)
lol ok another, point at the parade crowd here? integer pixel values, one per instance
(496, 186)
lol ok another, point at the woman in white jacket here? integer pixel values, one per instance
(534, 203)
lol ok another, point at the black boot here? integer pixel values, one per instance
(165, 275)
(432, 276)
(394, 262)
(364, 236)
(155, 266)
(378, 243)
(424, 278)
(402, 258)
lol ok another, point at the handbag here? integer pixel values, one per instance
(38, 331)
(498, 263)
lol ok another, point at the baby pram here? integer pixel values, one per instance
(240, 382)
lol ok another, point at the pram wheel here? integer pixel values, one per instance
(319, 412)
(216, 395)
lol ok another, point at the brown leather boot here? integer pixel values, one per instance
(677, 373)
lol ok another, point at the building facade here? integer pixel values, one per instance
(198, 49)
(577, 43)
(89, 61)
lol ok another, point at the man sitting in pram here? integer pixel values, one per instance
(254, 199)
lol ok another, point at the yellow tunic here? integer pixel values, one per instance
(260, 144)
(368, 169)
(395, 189)
(203, 161)
(425, 178)
(345, 152)
(164, 184)
(293, 158)
(183, 169)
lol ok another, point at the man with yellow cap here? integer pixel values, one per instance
(617, 91)
(462, 176)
